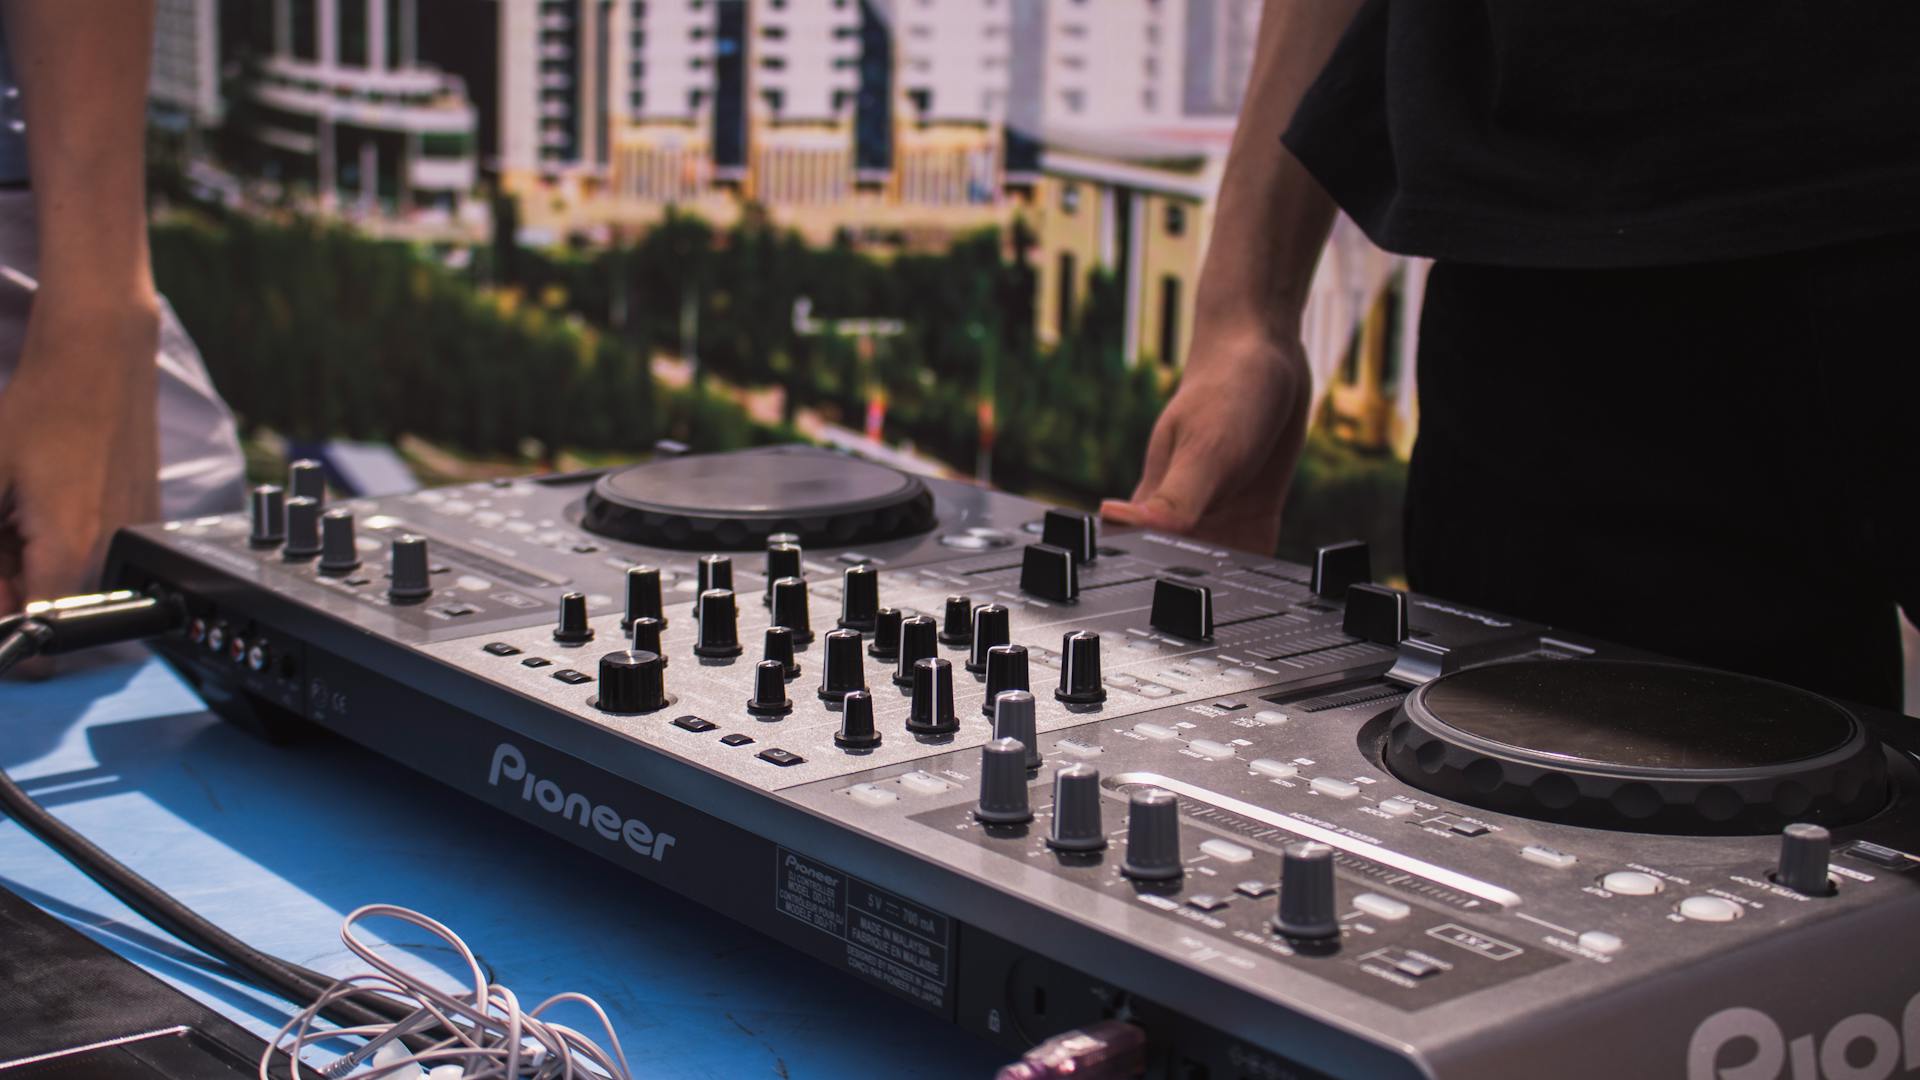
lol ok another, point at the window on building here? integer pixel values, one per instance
(775, 99)
(774, 32)
(1176, 219)
(446, 145)
(1169, 320)
(305, 35)
(773, 63)
(1149, 100)
(393, 34)
(1069, 198)
(1063, 321)
(1073, 100)
(1350, 361)
(922, 98)
(352, 19)
(695, 99)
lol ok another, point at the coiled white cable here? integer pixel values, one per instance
(482, 1034)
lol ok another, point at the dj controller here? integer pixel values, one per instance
(1029, 774)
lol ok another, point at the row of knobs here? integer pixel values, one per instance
(301, 526)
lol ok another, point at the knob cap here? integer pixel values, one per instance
(339, 549)
(790, 609)
(1153, 836)
(1307, 902)
(307, 479)
(646, 635)
(918, 641)
(269, 505)
(843, 669)
(1003, 784)
(303, 528)
(719, 630)
(886, 635)
(631, 681)
(787, 539)
(1337, 566)
(783, 561)
(1804, 850)
(573, 629)
(407, 569)
(643, 596)
(1076, 810)
(932, 711)
(991, 626)
(1183, 609)
(1080, 669)
(711, 572)
(1071, 530)
(1049, 573)
(780, 649)
(1013, 718)
(956, 624)
(1376, 613)
(1006, 670)
(769, 690)
(860, 598)
(856, 721)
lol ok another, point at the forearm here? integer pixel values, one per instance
(1272, 217)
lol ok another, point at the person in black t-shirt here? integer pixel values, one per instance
(1663, 397)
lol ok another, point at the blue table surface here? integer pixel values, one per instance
(276, 844)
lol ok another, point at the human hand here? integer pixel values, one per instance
(1223, 451)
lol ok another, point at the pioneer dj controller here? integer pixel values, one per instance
(1291, 822)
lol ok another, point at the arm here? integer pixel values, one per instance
(78, 436)
(1224, 450)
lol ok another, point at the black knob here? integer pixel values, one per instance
(1013, 718)
(303, 528)
(1306, 892)
(932, 710)
(1804, 850)
(790, 609)
(1006, 670)
(1003, 784)
(718, 634)
(1049, 573)
(1072, 531)
(919, 639)
(646, 635)
(843, 670)
(1080, 669)
(1376, 613)
(780, 650)
(573, 629)
(307, 479)
(956, 625)
(769, 690)
(407, 569)
(783, 561)
(783, 538)
(1183, 609)
(856, 721)
(886, 635)
(1153, 836)
(631, 681)
(991, 626)
(1076, 810)
(643, 596)
(860, 598)
(339, 549)
(269, 516)
(1337, 566)
(711, 572)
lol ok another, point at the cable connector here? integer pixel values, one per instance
(1108, 1050)
(81, 622)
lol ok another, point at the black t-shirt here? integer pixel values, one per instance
(1619, 132)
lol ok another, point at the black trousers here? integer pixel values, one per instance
(1718, 461)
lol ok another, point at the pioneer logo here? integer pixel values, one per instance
(510, 764)
(1864, 1046)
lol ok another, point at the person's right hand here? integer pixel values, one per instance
(1223, 452)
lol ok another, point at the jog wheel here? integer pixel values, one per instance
(1635, 746)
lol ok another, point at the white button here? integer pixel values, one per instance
(1631, 883)
(1204, 662)
(488, 519)
(1271, 716)
(1339, 789)
(871, 795)
(1154, 690)
(1077, 749)
(1546, 856)
(1601, 942)
(1279, 770)
(1381, 907)
(1210, 748)
(922, 783)
(1122, 679)
(519, 527)
(1144, 645)
(473, 584)
(1709, 909)
(1397, 807)
(1240, 672)
(1226, 850)
(1156, 732)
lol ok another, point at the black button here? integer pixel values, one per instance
(501, 648)
(1230, 705)
(571, 677)
(1256, 889)
(357, 580)
(694, 723)
(1468, 828)
(1418, 967)
(736, 739)
(456, 610)
(1879, 855)
(585, 549)
(1204, 902)
(782, 758)
(536, 661)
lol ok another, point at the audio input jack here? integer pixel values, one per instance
(1108, 1050)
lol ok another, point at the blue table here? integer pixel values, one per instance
(276, 844)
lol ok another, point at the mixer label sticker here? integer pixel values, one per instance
(890, 941)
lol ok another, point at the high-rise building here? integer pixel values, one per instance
(184, 88)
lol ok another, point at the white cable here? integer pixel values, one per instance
(482, 1032)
